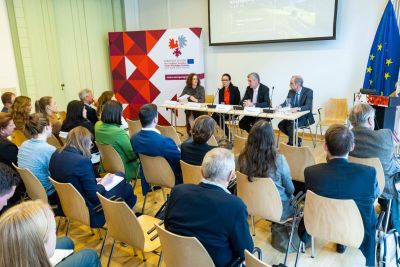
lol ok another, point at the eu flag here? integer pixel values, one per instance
(384, 58)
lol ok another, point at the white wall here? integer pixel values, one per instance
(8, 69)
(333, 68)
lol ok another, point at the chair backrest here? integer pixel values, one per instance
(157, 171)
(52, 140)
(33, 186)
(191, 174)
(122, 223)
(182, 251)
(238, 144)
(62, 115)
(72, 202)
(134, 126)
(212, 141)
(170, 132)
(18, 137)
(336, 109)
(252, 261)
(260, 196)
(334, 220)
(376, 163)
(209, 99)
(110, 158)
(298, 159)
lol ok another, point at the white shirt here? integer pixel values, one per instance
(151, 129)
(212, 183)
(255, 94)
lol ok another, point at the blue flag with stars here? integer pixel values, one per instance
(384, 58)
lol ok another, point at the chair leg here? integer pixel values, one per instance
(163, 193)
(103, 243)
(111, 253)
(154, 195)
(144, 257)
(320, 131)
(314, 141)
(277, 139)
(253, 225)
(298, 253)
(68, 226)
(290, 238)
(144, 202)
(160, 260)
(312, 247)
(389, 206)
(58, 224)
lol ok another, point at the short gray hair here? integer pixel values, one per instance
(217, 164)
(298, 80)
(83, 93)
(254, 75)
(360, 113)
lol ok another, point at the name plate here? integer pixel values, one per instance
(171, 103)
(252, 110)
(193, 105)
(223, 108)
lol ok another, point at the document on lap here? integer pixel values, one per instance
(59, 255)
(115, 181)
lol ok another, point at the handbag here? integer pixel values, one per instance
(280, 234)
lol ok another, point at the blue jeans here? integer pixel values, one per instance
(82, 258)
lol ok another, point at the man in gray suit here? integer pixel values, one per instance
(369, 144)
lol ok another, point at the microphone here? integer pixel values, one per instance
(269, 109)
(272, 94)
(213, 105)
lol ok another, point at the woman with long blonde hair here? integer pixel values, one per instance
(28, 239)
(20, 111)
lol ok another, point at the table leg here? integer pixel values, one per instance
(295, 122)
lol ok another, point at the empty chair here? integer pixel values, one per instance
(134, 127)
(182, 251)
(373, 162)
(238, 144)
(124, 226)
(170, 132)
(252, 261)
(33, 186)
(18, 137)
(335, 112)
(191, 173)
(298, 159)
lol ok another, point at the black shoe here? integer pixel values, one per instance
(299, 141)
(340, 248)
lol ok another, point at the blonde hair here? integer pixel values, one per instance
(24, 229)
(18, 111)
(81, 139)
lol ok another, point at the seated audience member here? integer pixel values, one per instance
(20, 111)
(228, 95)
(196, 94)
(9, 181)
(104, 98)
(86, 96)
(8, 99)
(301, 99)
(34, 154)
(341, 179)
(28, 234)
(76, 116)
(210, 213)
(150, 142)
(8, 150)
(47, 105)
(108, 132)
(379, 143)
(71, 164)
(260, 158)
(194, 149)
(256, 95)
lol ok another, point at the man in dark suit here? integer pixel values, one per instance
(150, 142)
(340, 179)
(301, 99)
(86, 96)
(210, 213)
(9, 181)
(256, 95)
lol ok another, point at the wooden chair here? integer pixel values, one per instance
(124, 226)
(18, 137)
(110, 158)
(52, 140)
(74, 206)
(33, 186)
(134, 127)
(252, 261)
(238, 144)
(298, 159)
(376, 163)
(334, 220)
(191, 174)
(212, 141)
(209, 99)
(62, 115)
(335, 112)
(157, 171)
(170, 132)
(182, 251)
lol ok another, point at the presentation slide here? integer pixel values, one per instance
(241, 21)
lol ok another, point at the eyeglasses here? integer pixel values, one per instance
(225, 80)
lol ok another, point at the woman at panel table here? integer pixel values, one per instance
(196, 94)
(228, 95)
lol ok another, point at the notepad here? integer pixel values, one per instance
(95, 158)
(116, 180)
(59, 255)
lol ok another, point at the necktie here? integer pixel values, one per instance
(296, 100)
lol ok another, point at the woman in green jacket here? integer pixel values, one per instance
(108, 131)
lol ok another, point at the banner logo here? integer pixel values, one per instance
(177, 45)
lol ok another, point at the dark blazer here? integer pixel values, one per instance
(341, 179)
(91, 114)
(305, 103)
(263, 100)
(217, 219)
(193, 153)
(70, 166)
(69, 125)
(371, 144)
(234, 97)
(8, 152)
(153, 144)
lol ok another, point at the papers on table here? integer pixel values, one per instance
(184, 98)
(252, 110)
(115, 180)
(95, 158)
(59, 255)
(194, 104)
(223, 108)
(171, 103)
